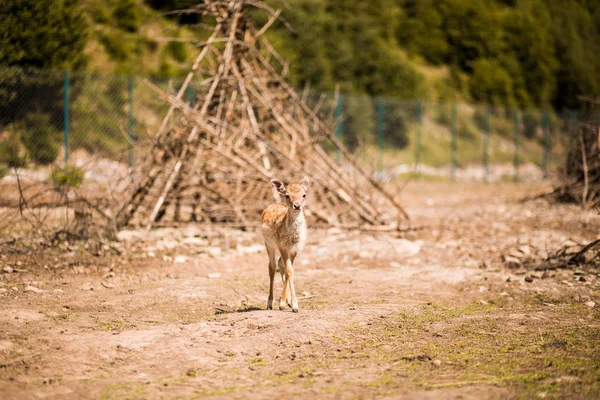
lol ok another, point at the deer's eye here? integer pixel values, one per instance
(287, 196)
(304, 196)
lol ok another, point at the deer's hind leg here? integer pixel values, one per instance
(272, 266)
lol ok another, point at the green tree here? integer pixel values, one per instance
(45, 34)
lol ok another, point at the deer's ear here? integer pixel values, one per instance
(278, 185)
(305, 182)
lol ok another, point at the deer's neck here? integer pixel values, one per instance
(294, 217)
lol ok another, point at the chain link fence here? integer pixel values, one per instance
(60, 118)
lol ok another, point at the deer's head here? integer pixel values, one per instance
(293, 194)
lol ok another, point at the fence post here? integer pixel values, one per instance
(380, 131)
(339, 127)
(486, 144)
(516, 141)
(66, 116)
(546, 149)
(418, 144)
(131, 123)
(453, 144)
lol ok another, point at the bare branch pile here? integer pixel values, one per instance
(245, 127)
(580, 181)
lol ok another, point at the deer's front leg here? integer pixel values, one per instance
(286, 281)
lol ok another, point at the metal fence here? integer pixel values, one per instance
(60, 117)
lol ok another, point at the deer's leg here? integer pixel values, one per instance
(290, 267)
(272, 266)
(281, 266)
(289, 282)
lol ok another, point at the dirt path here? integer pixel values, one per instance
(426, 314)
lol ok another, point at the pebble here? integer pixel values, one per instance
(3, 290)
(86, 287)
(180, 259)
(437, 363)
(33, 289)
(7, 269)
(214, 275)
(590, 304)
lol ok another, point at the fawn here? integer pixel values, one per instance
(283, 229)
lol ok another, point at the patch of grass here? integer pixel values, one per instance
(62, 317)
(484, 344)
(110, 326)
(69, 176)
(123, 391)
(256, 362)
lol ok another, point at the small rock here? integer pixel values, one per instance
(483, 302)
(214, 251)
(214, 275)
(582, 279)
(512, 262)
(526, 250)
(151, 254)
(407, 248)
(529, 278)
(14, 289)
(3, 290)
(437, 363)
(590, 304)
(482, 289)
(504, 294)
(33, 289)
(107, 285)
(394, 264)
(7, 269)
(180, 259)
(86, 287)
(111, 274)
(252, 249)
(58, 291)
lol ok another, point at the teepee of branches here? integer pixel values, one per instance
(211, 161)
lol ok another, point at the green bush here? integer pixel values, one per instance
(532, 119)
(359, 122)
(177, 50)
(40, 138)
(127, 15)
(70, 176)
(116, 45)
(11, 150)
(490, 83)
(397, 117)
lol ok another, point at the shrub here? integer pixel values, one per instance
(40, 138)
(127, 15)
(70, 176)
(11, 150)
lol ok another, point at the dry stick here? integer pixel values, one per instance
(188, 78)
(251, 116)
(584, 202)
(222, 72)
(336, 142)
(268, 24)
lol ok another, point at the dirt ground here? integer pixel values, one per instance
(431, 313)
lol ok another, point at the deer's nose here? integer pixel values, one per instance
(297, 207)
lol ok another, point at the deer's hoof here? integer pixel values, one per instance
(295, 309)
